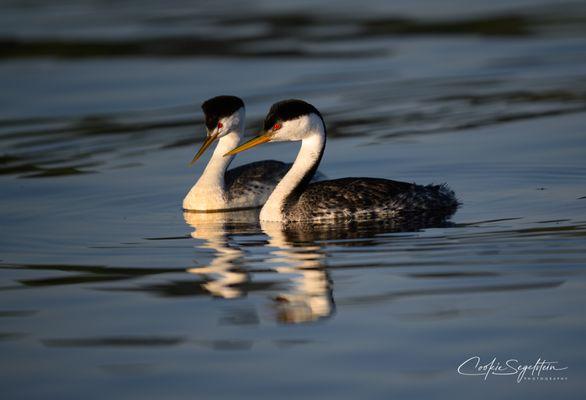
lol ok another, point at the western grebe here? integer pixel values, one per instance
(295, 199)
(247, 186)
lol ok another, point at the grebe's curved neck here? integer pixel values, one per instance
(296, 180)
(209, 192)
(216, 169)
(218, 164)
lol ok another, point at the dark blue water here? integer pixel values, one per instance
(108, 290)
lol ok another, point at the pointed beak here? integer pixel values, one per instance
(260, 139)
(207, 143)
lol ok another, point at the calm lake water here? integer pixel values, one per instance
(108, 290)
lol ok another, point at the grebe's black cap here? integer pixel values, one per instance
(287, 110)
(220, 107)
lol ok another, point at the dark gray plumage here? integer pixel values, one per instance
(362, 198)
(257, 179)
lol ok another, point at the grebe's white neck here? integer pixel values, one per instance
(209, 192)
(294, 182)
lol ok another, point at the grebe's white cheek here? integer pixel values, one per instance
(285, 134)
(231, 123)
(279, 136)
(293, 130)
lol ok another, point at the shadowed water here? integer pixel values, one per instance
(108, 289)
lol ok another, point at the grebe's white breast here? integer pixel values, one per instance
(247, 186)
(220, 189)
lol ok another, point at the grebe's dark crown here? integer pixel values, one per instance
(220, 107)
(287, 110)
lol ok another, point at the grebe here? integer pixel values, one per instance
(295, 199)
(247, 186)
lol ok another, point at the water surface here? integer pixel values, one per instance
(109, 290)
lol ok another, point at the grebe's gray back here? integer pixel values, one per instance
(296, 199)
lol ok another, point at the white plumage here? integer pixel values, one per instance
(218, 188)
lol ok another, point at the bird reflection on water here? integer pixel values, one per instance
(225, 270)
(299, 251)
(310, 296)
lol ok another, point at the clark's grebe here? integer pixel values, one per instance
(247, 186)
(295, 199)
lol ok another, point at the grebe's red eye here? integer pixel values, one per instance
(277, 126)
(220, 125)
